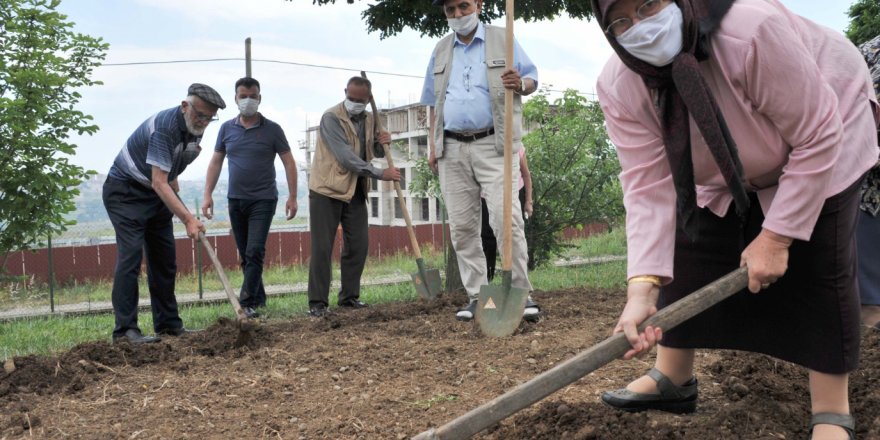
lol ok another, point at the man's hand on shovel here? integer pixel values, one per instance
(641, 304)
(193, 227)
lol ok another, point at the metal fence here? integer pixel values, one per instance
(86, 257)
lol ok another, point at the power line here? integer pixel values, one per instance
(210, 60)
(293, 63)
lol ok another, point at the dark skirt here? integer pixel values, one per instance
(869, 258)
(810, 316)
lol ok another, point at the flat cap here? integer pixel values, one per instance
(207, 94)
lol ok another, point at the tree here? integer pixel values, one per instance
(390, 17)
(865, 21)
(574, 171)
(425, 183)
(43, 63)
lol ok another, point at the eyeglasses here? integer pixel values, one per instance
(649, 8)
(203, 117)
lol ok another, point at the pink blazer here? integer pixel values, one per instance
(797, 98)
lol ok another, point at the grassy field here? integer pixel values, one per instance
(48, 335)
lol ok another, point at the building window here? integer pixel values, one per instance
(439, 209)
(422, 150)
(403, 178)
(426, 209)
(397, 212)
(374, 207)
(374, 184)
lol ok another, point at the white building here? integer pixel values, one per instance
(408, 126)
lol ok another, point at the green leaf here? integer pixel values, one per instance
(43, 66)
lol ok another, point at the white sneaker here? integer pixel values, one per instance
(467, 313)
(532, 312)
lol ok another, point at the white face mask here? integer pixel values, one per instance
(248, 106)
(655, 40)
(464, 25)
(354, 108)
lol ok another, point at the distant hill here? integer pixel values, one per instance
(90, 206)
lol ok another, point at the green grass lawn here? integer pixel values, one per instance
(52, 334)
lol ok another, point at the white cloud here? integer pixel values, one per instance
(568, 53)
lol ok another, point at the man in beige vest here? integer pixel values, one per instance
(338, 186)
(464, 86)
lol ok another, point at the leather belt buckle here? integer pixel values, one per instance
(469, 137)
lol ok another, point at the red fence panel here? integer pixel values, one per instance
(82, 263)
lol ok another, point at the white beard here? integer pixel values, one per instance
(191, 128)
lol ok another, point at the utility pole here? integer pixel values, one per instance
(247, 57)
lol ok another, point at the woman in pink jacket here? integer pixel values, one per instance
(744, 132)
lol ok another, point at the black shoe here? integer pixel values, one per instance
(319, 310)
(353, 304)
(134, 336)
(672, 398)
(250, 313)
(467, 313)
(844, 421)
(180, 331)
(532, 311)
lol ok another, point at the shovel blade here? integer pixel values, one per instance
(427, 281)
(500, 308)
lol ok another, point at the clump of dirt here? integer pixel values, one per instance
(392, 371)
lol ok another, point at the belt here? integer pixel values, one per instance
(469, 137)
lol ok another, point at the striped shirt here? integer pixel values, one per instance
(162, 141)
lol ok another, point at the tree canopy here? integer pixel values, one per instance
(43, 64)
(390, 17)
(865, 21)
(574, 171)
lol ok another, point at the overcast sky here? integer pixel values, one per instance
(568, 53)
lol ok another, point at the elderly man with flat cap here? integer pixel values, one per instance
(140, 195)
(464, 86)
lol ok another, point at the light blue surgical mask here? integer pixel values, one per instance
(248, 106)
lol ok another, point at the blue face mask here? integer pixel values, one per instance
(655, 40)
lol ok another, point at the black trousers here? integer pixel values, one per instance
(490, 243)
(250, 221)
(143, 226)
(325, 216)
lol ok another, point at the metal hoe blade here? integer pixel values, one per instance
(426, 281)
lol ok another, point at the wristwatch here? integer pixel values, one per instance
(522, 85)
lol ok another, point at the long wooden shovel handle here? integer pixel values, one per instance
(225, 281)
(400, 199)
(507, 234)
(584, 363)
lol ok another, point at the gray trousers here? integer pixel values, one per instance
(466, 169)
(325, 216)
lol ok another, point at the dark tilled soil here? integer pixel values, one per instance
(391, 372)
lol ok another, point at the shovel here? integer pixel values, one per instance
(500, 308)
(426, 281)
(245, 326)
(585, 362)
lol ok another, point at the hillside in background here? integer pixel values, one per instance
(90, 207)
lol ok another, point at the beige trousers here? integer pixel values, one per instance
(466, 169)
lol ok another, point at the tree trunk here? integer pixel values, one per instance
(453, 276)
